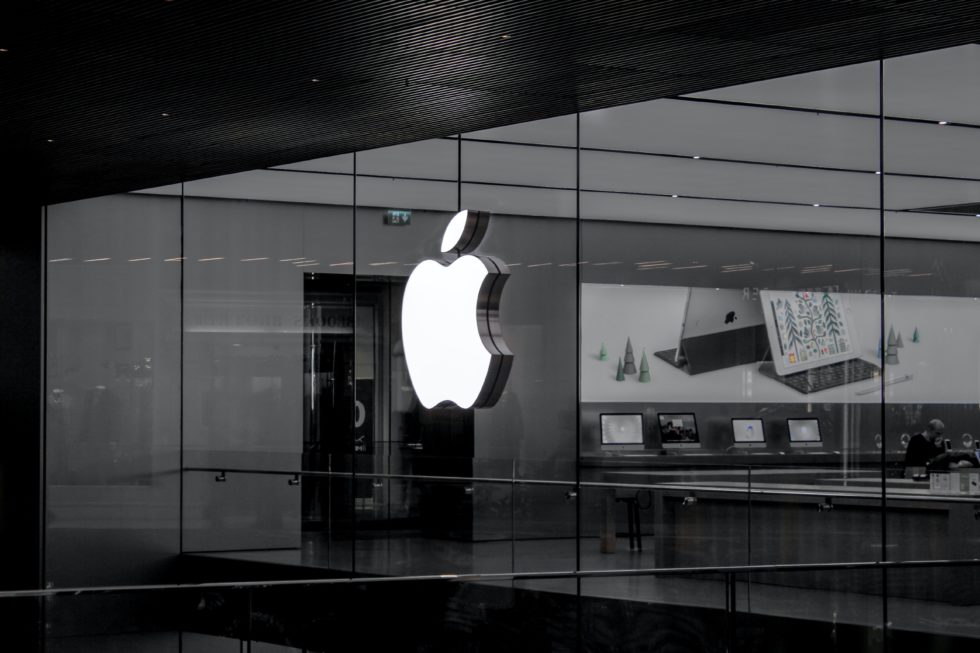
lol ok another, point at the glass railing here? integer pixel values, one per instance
(380, 521)
(869, 606)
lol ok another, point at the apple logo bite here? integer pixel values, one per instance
(450, 329)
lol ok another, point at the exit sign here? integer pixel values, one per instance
(398, 217)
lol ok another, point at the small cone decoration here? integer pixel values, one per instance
(603, 354)
(619, 371)
(644, 368)
(891, 352)
(915, 335)
(629, 365)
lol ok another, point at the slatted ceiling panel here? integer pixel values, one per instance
(236, 76)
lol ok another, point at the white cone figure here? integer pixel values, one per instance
(453, 347)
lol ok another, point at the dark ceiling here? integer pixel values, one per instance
(84, 85)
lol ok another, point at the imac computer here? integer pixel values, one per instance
(804, 432)
(748, 433)
(622, 431)
(678, 431)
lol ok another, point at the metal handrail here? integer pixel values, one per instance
(504, 576)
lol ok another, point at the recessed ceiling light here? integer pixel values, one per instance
(315, 80)
(4, 50)
(696, 157)
(51, 140)
(816, 205)
(505, 36)
(877, 172)
(943, 122)
(165, 114)
(674, 196)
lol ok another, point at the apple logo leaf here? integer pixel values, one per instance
(454, 347)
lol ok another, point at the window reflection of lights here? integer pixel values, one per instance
(812, 269)
(211, 258)
(609, 263)
(538, 265)
(58, 260)
(292, 260)
(306, 265)
(175, 259)
(96, 260)
(847, 270)
(738, 267)
(922, 274)
(306, 260)
(341, 264)
(138, 260)
(691, 267)
(381, 263)
(255, 258)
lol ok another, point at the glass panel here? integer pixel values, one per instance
(268, 368)
(931, 329)
(113, 390)
(819, 610)
(404, 525)
(729, 321)
(934, 607)
(655, 613)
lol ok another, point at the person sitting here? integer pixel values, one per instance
(923, 447)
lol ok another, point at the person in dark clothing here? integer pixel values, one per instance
(926, 445)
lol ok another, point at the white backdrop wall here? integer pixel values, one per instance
(944, 364)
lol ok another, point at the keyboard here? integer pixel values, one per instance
(824, 377)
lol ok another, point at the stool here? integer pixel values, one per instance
(633, 521)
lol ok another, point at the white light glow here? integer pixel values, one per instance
(446, 358)
(454, 231)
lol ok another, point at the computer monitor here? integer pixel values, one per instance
(621, 430)
(678, 431)
(748, 433)
(804, 432)
(807, 329)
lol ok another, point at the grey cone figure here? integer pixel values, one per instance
(629, 366)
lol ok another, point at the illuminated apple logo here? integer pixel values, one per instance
(450, 331)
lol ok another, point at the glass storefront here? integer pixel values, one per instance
(727, 331)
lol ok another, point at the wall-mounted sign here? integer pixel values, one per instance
(398, 217)
(450, 331)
